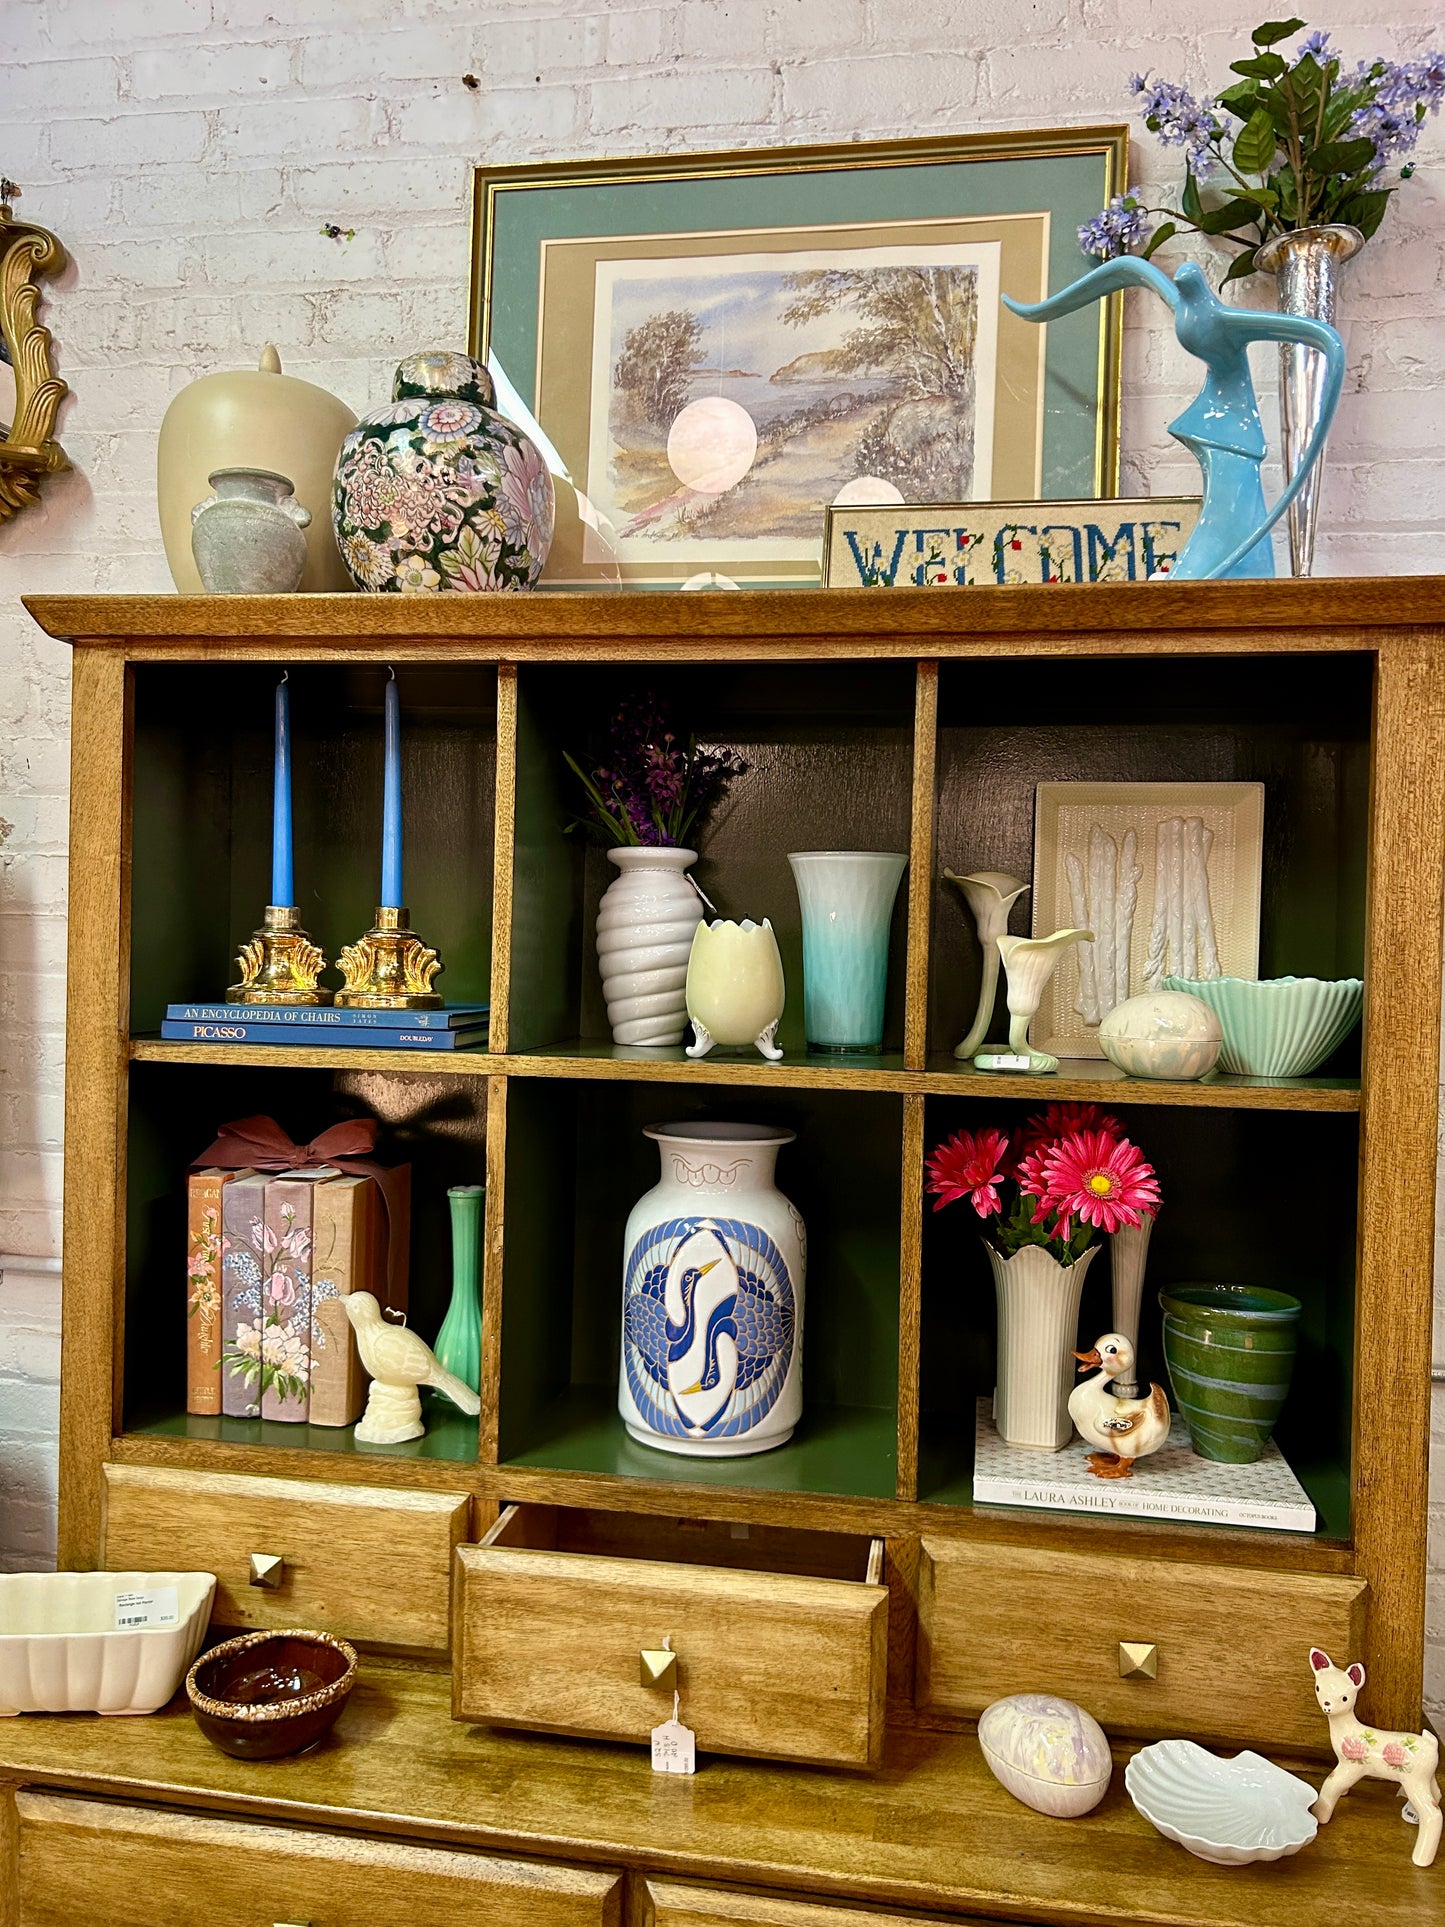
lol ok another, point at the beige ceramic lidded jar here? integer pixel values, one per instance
(259, 419)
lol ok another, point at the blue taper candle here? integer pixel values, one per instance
(391, 896)
(283, 884)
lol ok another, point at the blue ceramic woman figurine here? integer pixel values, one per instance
(1221, 427)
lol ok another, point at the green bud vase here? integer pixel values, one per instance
(1230, 1350)
(459, 1342)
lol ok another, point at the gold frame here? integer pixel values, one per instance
(1034, 144)
(28, 451)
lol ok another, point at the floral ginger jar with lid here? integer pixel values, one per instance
(712, 1297)
(437, 491)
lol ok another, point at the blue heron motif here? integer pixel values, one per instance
(1221, 427)
(709, 1324)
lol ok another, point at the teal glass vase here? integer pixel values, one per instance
(459, 1342)
(847, 901)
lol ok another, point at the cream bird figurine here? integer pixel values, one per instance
(398, 1362)
(1124, 1429)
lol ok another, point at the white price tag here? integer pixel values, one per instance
(1001, 1060)
(136, 1609)
(674, 1748)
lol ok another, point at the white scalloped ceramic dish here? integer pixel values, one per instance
(61, 1652)
(1227, 1811)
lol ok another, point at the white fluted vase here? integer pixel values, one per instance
(1038, 1330)
(1128, 1255)
(645, 926)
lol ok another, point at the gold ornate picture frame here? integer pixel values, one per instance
(28, 450)
(753, 282)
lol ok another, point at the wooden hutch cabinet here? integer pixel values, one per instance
(844, 1609)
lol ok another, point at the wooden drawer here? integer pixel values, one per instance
(678, 1903)
(368, 1562)
(137, 1867)
(1232, 1641)
(781, 1636)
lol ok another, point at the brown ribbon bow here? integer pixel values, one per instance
(261, 1143)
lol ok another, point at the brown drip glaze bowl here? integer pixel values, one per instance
(265, 1695)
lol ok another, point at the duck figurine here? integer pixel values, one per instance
(1124, 1428)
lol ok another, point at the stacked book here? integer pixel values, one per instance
(453, 1027)
(272, 1259)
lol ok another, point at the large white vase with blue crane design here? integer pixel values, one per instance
(712, 1297)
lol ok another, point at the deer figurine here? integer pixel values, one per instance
(1408, 1759)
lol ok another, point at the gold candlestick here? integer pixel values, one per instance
(390, 968)
(280, 964)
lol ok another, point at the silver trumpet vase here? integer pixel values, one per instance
(1306, 266)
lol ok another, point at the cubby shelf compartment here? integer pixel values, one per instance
(1078, 1080)
(830, 754)
(553, 1303)
(1241, 1204)
(201, 816)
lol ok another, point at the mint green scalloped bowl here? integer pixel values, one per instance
(1277, 1026)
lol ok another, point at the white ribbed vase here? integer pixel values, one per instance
(1038, 1330)
(645, 927)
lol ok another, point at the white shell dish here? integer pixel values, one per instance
(60, 1651)
(1227, 1811)
(1048, 1752)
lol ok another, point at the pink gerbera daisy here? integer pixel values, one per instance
(1058, 1121)
(1101, 1179)
(969, 1165)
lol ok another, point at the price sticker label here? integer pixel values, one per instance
(674, 1748)
(134, 1610)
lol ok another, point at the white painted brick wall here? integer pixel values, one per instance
(188, 151)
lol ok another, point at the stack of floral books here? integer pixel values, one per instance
(453, 1027)
(271, 1261)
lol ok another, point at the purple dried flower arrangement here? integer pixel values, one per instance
(650, 785)
(1294, 143)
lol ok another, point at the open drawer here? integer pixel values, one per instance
(780, 1636)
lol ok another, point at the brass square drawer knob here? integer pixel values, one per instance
(658, 1670)
(268, 1569)
(1138, 1659)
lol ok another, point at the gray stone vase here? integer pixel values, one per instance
(247, 538)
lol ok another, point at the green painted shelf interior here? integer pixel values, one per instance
(450, 1435)
(1298, 725)
(576, 1163)
(439, 1123)
(829, 749)
(1243, 1202)
(847, 1449)
(201, 862)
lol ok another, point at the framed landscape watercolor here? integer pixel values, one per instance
(716, 346)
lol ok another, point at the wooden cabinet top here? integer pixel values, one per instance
(1054, 620)
(932, 1830)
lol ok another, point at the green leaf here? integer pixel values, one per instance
(1262, 67)
(1242, 265)
(1340, 157)
(1275, 30)
(1255, 145)
(1160, 235)
(1241, 100)
(1193, 206)
(1233, 214)
(1364, 211)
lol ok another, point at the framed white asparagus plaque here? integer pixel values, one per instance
(1166, 875)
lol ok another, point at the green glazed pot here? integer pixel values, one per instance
(1230, 1351)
